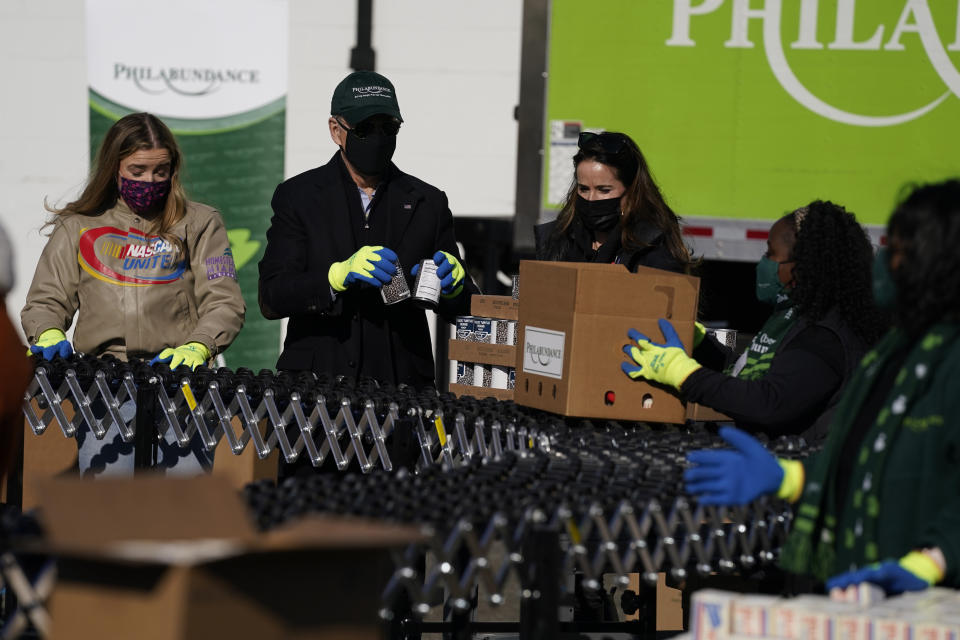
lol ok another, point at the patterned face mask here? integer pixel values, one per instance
(142, 196)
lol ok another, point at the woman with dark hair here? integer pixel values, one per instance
(816, 274)
(614, 212)
(884, 494)
(147, 273)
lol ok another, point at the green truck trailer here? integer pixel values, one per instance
(745, 109)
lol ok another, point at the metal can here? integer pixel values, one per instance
(726, 337)
(426, 288)
(396, 290)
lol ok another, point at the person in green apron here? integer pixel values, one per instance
(881, 502)
(816, 274)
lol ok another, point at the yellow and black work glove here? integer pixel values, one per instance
(699, 333)
(664, 363)
(915, 571)
(51, 343)
(192, 354)
(372, 265)
(450, 272)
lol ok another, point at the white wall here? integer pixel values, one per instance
(455, 64)
(456, 67)
(43, 122)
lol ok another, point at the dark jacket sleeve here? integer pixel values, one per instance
(798, 384)
(286, 287)
(450, 308)
(657, 257)
(944, 530)
(712, 354)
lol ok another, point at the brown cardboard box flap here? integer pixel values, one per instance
(504, 355)
(318, 531)
(500, 307)
(88, 514)
(701, 413)
(185, 521)
(460, 390)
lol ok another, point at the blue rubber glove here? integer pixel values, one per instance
(665, 363)
(914, 572)
(733, 477)
(450, 272)
(52, 343)
(372, 265)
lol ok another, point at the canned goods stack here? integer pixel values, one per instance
(483, 352)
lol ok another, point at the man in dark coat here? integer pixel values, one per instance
(337, 235)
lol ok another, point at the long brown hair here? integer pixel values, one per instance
(129, 134)
(642, 201)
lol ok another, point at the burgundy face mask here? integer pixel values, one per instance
(142, 196)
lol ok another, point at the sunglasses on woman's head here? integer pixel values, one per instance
(366, 127)
(608, 142)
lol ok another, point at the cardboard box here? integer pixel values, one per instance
(502, 307)
(573, 323)
(46, 456)
(700, 413)
(161, 558)
(481, 392)
(477, 352)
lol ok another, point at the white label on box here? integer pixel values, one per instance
(543, 352)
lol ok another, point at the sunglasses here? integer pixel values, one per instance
(366, 127)
(608, 142)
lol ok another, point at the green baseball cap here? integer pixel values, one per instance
(363, 94)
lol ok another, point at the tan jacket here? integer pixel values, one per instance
(133, 295)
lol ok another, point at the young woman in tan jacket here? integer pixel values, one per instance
(146, 272)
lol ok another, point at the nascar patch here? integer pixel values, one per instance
(129, 257)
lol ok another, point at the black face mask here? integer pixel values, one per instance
(370, 155)
(598, 215)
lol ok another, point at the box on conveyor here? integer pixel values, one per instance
(177, 558)
(573, 323)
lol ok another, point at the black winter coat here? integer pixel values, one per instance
(318, 219)
(575, 246)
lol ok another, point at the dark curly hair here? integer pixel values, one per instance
(925, 231)
(833, 270)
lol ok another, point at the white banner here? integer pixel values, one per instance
(188, 58)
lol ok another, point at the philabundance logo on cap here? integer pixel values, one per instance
(543, 352)
(852, 21)
(372, 91)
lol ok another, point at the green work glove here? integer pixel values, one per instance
(372, 265)
(51, 343)
(664, 363)
(192, 354)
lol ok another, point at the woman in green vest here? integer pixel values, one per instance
(816, 274)
(881, 502)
